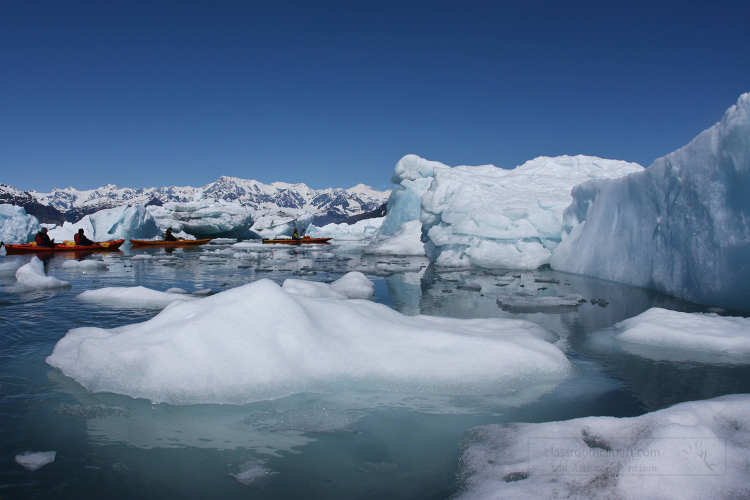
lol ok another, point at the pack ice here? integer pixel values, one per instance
(693, 450)
(259, 342)
(117, 223)
(681, 227)
(16, 226)
(497, 218)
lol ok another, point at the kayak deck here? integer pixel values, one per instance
(300, 241)
(162, 243)
(104, 246)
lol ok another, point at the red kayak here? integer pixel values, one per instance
(301, 241)
(103, 246)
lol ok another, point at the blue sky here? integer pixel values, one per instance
(334, 93)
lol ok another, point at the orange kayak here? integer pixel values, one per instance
(103, 246)
(162, 243)
(300, 241)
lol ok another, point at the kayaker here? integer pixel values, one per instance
(42, 239)
(81, 239)
(295, 236)
(168, 236)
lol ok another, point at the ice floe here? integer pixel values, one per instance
(258, 342)
(34, 461)
(32, 275)
(137, 296)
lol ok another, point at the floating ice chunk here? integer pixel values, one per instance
(250, 245)
(680, 227)
(34, 461)
(279, 222)
(142, 256)
(32, 275)
(137, 296)
(521, 302)
(692, 450)
(252, 473)
(16, 226)
(176, 290)
(257, 342)
(9, 267)
(360, 230)
(406, 241)
(696, 331)
(354, 285)
(314, 289)
(84, 265)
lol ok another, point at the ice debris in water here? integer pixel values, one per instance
(9, 267)
(84, 265)
(90, 411)
(692, 450)
(136, 296)
(690, 331)
(258, 342)
(32, 275)
(523, 302)
(310, 419)
(34, 461)
(252, 473)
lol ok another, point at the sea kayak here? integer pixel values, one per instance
(67, 246)
(162, 243)
(300, 241)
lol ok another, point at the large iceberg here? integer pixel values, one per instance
(497, 218)
(258, 341)
(204, 218)
(125, 222)
(277, 222)
(362, 230)
(16, 226)
(692, 450)
(681, 227)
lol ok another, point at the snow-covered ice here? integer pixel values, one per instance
(692, 450)
(257, 342)
(34, 461)
(32, 275)
(680, 227)
(204, 218)
(497, 218)
(136, 296)
(119, 223)
(16, 226)
(691, 331)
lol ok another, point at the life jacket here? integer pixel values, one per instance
(38, 238)
(77, 238)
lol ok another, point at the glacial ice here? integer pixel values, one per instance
(522, 302)
(16, 226)
(360, 230)
(124, 222)
(406, 241)
(496, 218)
(34, 461)
(279, 222)
(204, 218)
(9, 268)
(136, 296)
(692, 450)
(353, 285)
(258, 342)
(690, 331)
(85, 265)
(32, 275)
(680, 227)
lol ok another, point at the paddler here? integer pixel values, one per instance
(168, 236)
(42, 239)
(81, 239)
(295, 236)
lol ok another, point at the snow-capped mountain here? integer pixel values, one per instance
(327, 205)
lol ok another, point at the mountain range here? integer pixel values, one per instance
(327, 205)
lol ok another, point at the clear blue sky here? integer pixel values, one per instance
(334, 93)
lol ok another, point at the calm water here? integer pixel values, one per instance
(344, 445)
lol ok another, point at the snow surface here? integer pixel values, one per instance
(136, 296)
(353, 285)
(204, 218)
(496, 218)
(16, 226)
(693, 450)
(680, 227)
(32, 275)
(691, 331)
(120, 223)
(258, 342)
(34, 461)
(406, 241)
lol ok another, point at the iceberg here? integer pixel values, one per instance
(681, 227)
(272, 224)
(692, 450)
(406, 241)
(16, 226)
(119, 223)
(32, 275)
(203, 218)
(362, 230)
(258, 342)
(497, 218)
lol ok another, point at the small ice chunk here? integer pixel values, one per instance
(137, 296)
(252, 473)
(9, 267)
(84, 265)
(176, 290)
(521, 302)
(32, 275)
(354, 285)
(142, 256)
(692, 331)
(34, 461)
